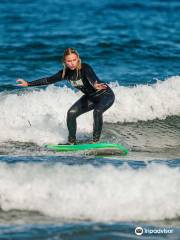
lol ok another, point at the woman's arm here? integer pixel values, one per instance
(93, 79)
(43, 81)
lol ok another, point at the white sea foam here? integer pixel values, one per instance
(146, 102)
(40, 116)
(104, 193)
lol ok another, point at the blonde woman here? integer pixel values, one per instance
(98, 96)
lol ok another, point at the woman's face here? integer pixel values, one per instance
(71, 61)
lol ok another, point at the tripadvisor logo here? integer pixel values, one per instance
(139, 231)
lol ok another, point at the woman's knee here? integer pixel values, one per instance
(72, 113)
(98, 112)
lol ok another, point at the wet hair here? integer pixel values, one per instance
(67, 52)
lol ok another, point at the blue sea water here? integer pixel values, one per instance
(135, 47)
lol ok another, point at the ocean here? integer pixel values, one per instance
(132, 45)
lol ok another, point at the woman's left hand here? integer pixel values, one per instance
(100, 86)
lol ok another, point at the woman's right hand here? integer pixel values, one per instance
(22, 82)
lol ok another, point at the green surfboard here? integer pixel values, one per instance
(91, 148)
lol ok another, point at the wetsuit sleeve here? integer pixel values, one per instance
(47, 80)
(90, 75)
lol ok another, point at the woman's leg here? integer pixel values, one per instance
(105, 102)
(83, 105)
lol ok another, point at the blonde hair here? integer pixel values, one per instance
(67, 52)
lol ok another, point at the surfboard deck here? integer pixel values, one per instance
(93, 148)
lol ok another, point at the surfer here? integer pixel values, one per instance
(98, 96)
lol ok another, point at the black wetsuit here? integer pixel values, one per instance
(99, 100)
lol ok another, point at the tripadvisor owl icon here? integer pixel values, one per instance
(139, 231)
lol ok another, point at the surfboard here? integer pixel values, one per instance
(91, 148)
